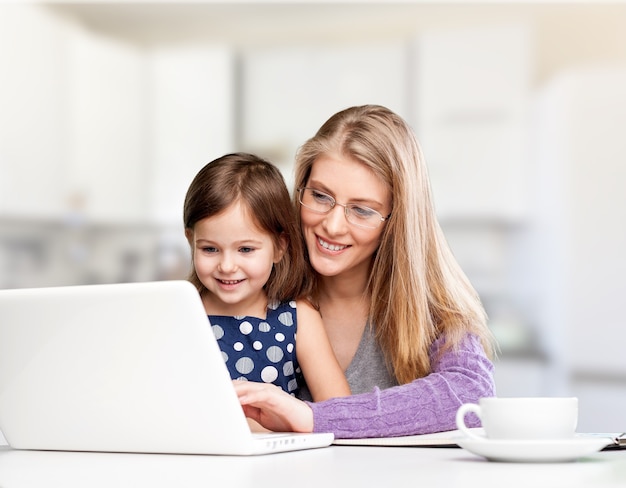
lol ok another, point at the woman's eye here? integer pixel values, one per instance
(321, 197)
(363, 212)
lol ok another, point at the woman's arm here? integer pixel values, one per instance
(318, 362)
(425, 405)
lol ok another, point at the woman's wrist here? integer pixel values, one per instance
(306, 421)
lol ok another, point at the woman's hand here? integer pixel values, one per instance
(273, 408)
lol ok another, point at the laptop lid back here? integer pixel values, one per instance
(125, 367)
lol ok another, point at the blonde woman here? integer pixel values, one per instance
(406, 325)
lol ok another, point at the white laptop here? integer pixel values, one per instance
(121, 368)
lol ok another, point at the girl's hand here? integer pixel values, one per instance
(273, 408)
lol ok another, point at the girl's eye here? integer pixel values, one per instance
(246, 250)
(209, 249)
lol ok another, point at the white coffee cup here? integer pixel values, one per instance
(537, 418)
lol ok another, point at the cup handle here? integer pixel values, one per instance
(460, 419)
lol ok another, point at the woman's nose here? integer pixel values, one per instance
(335, 221)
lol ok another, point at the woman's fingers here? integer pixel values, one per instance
(273, 408)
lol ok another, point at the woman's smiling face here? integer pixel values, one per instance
(336, 246)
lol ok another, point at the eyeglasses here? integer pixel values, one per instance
(322, 203)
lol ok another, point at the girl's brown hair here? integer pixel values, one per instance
(260, 186)
(418, 291)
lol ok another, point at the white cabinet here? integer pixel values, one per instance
(571, 262)
(144, 122)
(33, 121)
(106, 177)
(72, 120)
(192, 120)
(102, 129)
(578, 240)
(469, 108)
(288, 92)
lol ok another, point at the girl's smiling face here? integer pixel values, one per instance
(233, 259)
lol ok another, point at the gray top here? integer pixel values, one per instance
(367, 369)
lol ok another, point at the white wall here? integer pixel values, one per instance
(287, 92)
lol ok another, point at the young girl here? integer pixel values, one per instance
(249, 268)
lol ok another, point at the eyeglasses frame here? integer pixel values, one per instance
(346, 207)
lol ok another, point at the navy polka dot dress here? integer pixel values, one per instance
(261, 350)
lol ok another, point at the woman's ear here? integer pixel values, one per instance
(280, 250)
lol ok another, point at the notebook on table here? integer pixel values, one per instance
(436, 439)
(121, 368)
(450, 438)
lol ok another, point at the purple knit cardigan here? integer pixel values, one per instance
(426, 405)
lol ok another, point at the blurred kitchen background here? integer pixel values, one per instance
(107, 111)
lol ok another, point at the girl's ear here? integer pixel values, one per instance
(189, 236)
(280, 250)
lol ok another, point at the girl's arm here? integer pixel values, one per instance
(317, 360)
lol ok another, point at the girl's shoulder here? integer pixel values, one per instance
(281, 306)
(283, 312)
(307, 312)
(292, 311)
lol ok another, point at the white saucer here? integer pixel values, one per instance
(531, 451)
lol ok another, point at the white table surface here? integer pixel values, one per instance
(319, 468)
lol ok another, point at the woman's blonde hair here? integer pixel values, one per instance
(418, 291)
